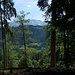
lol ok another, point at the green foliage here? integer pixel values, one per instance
(44, 62)
(31, 37)
(12, 56)
(23, 62)
(29, 55)
(7, 11)
(13, 59)
(61, 15)
(1, 62)
(16, 57)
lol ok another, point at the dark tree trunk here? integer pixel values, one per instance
(66, 49)
(68, 59)
(53, 35)
(3, 46)
(24, 39)
(53, 39)
(5, 50)
(3, 28)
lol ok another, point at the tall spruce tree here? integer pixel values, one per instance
(7, 10)
(21, 20)
(43, 4)
(63, 17)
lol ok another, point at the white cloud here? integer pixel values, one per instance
(32, 4)
(29, 6)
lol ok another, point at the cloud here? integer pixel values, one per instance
(28, 6)
(31, 4)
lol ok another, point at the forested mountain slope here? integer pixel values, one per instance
(35, 37)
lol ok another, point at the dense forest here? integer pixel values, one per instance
(35, 47)
(38, 40)
(35, 39)
(51, 46)
(62, 18)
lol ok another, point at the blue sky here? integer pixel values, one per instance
(29, 6)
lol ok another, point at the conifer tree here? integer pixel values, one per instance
(7, 10)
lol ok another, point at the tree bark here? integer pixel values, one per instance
(24, 40)
(53, 39)
(53, 35)
(66, 49)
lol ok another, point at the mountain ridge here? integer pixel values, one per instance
(31, 22)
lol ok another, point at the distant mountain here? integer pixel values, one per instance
(37, 22)
(36, 40)
(31, 22)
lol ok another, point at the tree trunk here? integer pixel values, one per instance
(24, 39)
(53, 39)
(66, 48)
(53, 35)
(3, 46)
(6, 52)
(3, 37)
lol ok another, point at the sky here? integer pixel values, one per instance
(29, 6)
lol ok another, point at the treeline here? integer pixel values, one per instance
(38, 51)
(60, 17)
